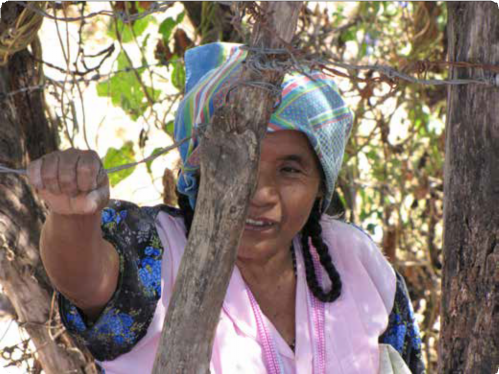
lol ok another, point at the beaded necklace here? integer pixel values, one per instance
(273, 361)
(293, 258)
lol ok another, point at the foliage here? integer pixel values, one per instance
(126, 91)
(126, 87)
(392, 180)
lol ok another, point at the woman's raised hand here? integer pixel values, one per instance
(71, 182)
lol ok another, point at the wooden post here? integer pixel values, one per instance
(229, 166)
(469, 341)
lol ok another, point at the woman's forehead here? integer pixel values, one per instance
(286, 142)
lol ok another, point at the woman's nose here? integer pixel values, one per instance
(267, 191)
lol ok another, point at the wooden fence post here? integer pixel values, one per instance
(469, 339)
(230, 154)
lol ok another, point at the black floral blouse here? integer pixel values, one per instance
(125, 319)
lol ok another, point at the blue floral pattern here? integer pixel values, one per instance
(402, 332)
(127, 316)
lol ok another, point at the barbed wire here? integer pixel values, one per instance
(392, 73)
(6, 170)
(125, 17)
(298, 61)
(96, 77)
(259, 62)
(387, 71)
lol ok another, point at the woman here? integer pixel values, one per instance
(309, 294)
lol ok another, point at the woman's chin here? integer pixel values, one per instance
(254, 251)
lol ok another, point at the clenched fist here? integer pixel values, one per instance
(70, 182)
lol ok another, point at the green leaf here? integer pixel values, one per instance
(178, 75)
(362, 193)
(116, 157)
(125, 90)
(166, 28)
(149, 163)
(170, 128)
(144, 42)
(139, 6)
(125, 29)
(180, 17)
(123, 62)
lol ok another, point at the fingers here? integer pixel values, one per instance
(70, 182)
(67, 172)
(50, 173)
(88, 167)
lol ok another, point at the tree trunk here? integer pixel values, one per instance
(24, 136)
(229, 165)
(469, 340)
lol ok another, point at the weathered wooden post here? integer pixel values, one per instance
(229, 166)
(469, 341)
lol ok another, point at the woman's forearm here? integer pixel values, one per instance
(79, 262)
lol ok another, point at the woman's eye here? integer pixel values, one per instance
(290, 169)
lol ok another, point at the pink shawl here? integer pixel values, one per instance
(350, 326)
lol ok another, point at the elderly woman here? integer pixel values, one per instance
(309, 293)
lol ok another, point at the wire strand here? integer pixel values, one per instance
(6, 170)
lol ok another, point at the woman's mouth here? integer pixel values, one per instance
(255, 224)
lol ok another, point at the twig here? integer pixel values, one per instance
(108, 53)
(156, 7)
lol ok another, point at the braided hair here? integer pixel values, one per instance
(312, 231)
(187, 212)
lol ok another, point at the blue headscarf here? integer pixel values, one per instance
(309, 103)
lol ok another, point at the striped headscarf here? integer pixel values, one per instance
(312, 106)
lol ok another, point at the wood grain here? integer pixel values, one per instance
(230, 153)
(469, 340)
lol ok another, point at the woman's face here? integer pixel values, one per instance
(289, 180)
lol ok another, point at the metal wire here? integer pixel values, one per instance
(6, 170)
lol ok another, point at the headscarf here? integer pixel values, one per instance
(312, 106)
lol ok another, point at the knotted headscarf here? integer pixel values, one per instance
(309, 103)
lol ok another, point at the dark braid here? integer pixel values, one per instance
(187, 212)
(313, 230)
